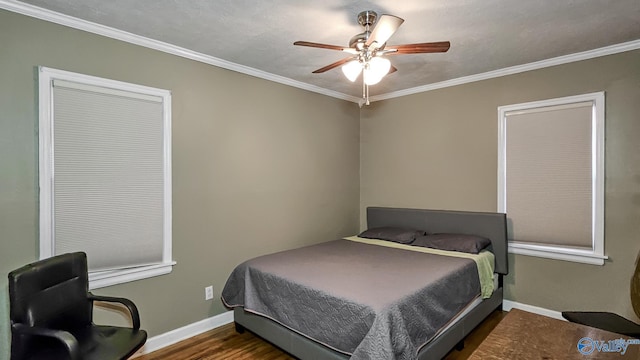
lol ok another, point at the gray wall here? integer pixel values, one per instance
(257, 166)
(260, 167)
(438, 150)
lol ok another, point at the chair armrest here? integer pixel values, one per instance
(133, 309)
(69, 341)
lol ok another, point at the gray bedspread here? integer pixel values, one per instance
(368, 301)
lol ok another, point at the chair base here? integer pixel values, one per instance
(605, 321)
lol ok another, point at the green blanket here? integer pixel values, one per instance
(485, 260)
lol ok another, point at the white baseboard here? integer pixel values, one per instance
(171, 337)
(508, 305)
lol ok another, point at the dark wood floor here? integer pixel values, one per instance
(225, 343)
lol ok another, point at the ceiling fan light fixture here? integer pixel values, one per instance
(376, 69)
(352, 69)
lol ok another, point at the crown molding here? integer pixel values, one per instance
(72, 22)
(565, 59)
(66, 20)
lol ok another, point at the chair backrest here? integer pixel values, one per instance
(52, 293)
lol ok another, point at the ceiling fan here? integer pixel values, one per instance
(369, 50)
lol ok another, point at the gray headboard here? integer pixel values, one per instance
(490, 225)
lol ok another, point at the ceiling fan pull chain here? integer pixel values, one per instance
(364, 92)
(367, 86)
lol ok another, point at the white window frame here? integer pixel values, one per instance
(97, 279)
(595, 255)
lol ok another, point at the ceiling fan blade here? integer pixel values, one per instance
(321, 46)
(440, 46)
(392, 70)
(333, 65)
(383, 29)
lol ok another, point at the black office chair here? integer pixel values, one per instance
(51, 311)
(605, 321)
(610, 321)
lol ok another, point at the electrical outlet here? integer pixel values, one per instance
(208, 293)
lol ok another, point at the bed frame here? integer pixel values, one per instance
(489, 225)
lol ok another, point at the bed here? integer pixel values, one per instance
(327, 308)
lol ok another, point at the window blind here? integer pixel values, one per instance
(549, 175)
(108, 175)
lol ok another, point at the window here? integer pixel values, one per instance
(551, 177)
(105, 175)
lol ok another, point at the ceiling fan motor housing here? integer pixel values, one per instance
(366, 19)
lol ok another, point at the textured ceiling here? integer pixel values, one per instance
(485, 35)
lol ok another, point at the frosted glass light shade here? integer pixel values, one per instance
(352, 69)
(377, 68)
